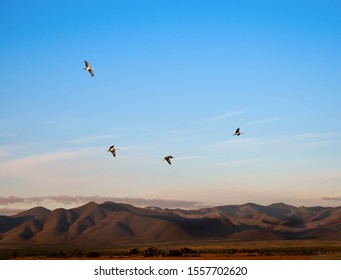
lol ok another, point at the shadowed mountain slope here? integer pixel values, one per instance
(116, 223)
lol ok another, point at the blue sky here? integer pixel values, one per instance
(171, 77)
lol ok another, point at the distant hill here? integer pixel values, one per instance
(119, 224)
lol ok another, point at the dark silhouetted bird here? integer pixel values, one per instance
(112, 150)
(238, 132)
(168, 159)
(88, 67)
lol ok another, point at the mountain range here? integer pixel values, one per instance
(123, 224)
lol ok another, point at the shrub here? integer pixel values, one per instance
(93, 254)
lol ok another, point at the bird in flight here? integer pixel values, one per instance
(88, 67)
(168, 159)
(112, 150)
(237, 133)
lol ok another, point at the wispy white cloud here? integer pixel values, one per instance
(239, 162)
(302, 141)
(227, 115)
(239, 142)
(189, 157)
(269, 120)
(312, 135)
(15, 166)
(235, 148)
(91, 139)
(303, 162)
(63, 123)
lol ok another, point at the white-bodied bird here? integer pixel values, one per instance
(168, 159)
(112, 150)
(89, 68)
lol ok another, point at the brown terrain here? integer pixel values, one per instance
(113, 225)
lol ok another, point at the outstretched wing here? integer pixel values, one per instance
(168, 159)
(87, 65)
(91, 72)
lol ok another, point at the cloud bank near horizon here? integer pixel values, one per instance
(336, 199)
(12, 205)
(79, 199)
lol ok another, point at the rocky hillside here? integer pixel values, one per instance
(113, 223)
